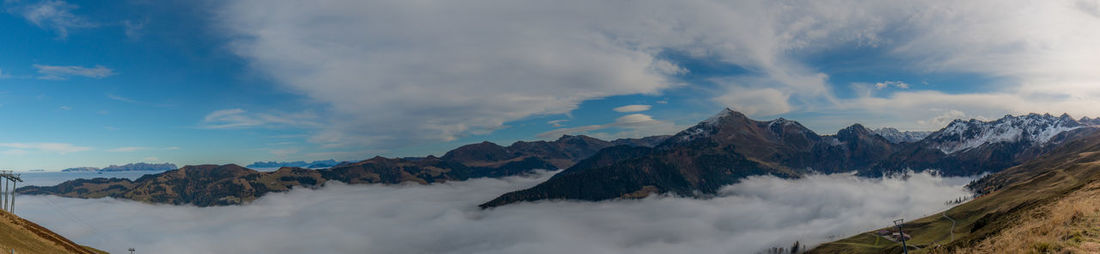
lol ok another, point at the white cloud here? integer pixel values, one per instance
(51, 72)
(239, 118)
(759, 213)
(1091, 7)
(763, 101)
(133, 29)
(402, 72)
(923, 107)
(283, 152)
(632, 108)
(556, 123)
(14, 152)
(140, 148)
(65, 108)
(60, 148)
(898, 84)
(120, 98)
(944, 119)
(53, 15)
(128, 149)
(636, 125)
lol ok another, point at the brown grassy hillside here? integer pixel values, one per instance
(1048, 205)
(27, 237)
(1070, 225)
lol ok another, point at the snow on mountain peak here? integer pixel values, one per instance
(717, 118)
(895, 136)
(1034, 128)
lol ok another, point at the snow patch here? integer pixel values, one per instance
(1034, 128)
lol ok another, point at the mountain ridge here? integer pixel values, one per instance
(138, 166)
(730, 146)
(230, 184)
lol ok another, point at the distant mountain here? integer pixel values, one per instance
(969, 147)
(140, 166)
(650, 141)
(895, 136)
(212, 185)
(1033, 129)
(80, 169)
(726, 148)
(696, 162)
(300, 164)
(562, 153)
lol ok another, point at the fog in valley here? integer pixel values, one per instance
(759, 213)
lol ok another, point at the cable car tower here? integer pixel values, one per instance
(7, 195)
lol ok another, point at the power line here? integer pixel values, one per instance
(8, 191)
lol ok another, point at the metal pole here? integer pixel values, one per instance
(5, 193)
(11, 206)
(901, 235)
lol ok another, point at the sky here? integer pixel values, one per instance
(94, 83)
(748, 217)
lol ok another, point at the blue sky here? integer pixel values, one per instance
(93, 83)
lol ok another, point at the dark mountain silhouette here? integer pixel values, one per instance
(562, 153)
(697, 161)
(728, 147)
(300, 164)
(716, 152)
(212, 185)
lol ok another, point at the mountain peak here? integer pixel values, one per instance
(725, 114)
(854, 131)
(1032, 128)
(895, 136)
(565, 138)
(857, 128)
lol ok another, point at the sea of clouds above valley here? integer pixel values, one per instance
(758, 213)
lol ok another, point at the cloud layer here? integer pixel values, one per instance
(759, 213)
(408, 71)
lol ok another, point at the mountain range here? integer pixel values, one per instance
(896, 136)
(729, 146)
(301, 164)
(212, 185)
(140, 166)
(695, 162)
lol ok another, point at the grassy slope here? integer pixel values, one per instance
(1020, 196)
(27, 237)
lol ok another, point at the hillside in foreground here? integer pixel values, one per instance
(1047, 205)
(25, 236)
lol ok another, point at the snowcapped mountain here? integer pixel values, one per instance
(895, 136)
(730, 146)
(716, 152)
(1032, 129)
